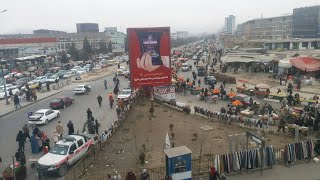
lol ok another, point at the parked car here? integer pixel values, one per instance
(82, 71)
(211, 80)
(61, 102)
(43, 116)
(82, 89)
(97, 67)
(48, 75)
(69, 74)
(53, 79)
(195, 57)
(42, 79)
(9, 87)
(10, 75)
(65, 153)
(21, 82)
(126, 94)
(60, 74)
(33, 84)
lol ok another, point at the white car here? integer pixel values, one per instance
(9, 87)
(97, 67)
(82, 71)
(52, 79)
(43, 116)
(10, 75)
(185, 67)
(126, 94)
(42, 79)
(65, 153)
(82, 89)
(69, 74)
(194, 57)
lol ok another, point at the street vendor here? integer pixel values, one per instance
(279, 91)
(223, 110)
(315, 97)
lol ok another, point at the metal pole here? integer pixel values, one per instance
(14, 168)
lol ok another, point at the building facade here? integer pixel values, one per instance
(268, 28)
(87, 27)
(47, 32)
(230, 24)
(306, 22)
(17, 47)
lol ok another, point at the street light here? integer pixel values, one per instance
(3, 62)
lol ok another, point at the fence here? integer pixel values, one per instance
(80, 168)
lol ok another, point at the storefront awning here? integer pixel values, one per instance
(306, 63)
(285, 63)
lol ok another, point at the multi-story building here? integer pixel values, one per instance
(173, 36)
(268, 28)
(182, 34)
(18, 47)
(110, 30)
(306, 22)
(230, 24)
(87, 27)
(239, 31)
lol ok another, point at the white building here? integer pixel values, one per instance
(230, 24)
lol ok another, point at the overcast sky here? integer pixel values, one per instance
(195, 16)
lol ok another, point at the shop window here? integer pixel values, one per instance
(304, 44)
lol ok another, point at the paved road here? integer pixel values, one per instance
(12, 123)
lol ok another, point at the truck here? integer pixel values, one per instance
(65, 153)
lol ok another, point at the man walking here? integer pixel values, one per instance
(21, 140)
(105, 84)
(25, 130)
(111, 100)
(99, 98)
(59, 129)
(16, 101)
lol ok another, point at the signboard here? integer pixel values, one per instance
(165, 93)
(149, 54)
(255, 138)
(118, 44)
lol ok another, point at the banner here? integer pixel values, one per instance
(149, 54)
(165, 93)
(118, 44)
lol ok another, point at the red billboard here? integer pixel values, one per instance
(149, 54)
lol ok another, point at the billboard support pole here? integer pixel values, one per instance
(152, 101)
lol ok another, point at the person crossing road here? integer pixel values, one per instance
(99, 98)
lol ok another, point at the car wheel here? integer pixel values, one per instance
(62, 170)
(46, 122)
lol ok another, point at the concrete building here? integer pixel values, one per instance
(268, 28)
(173, 36)
(239, 30)
(110, 30)
(182, 34)
(17, 47)
(306, 22)
(230, 24)
(47, 32)
(87, 27)
(292, 44)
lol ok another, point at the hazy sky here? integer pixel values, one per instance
(195, 16)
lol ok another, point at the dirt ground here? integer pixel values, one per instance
(138, 133)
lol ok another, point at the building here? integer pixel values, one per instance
(239, 31)
(87, 27)
(110, 30)
(173, 36)
(230, 24)
(292, 44)
(17, 47)
(306, 22)
(268, 28)
(182, 34)
(47, 31)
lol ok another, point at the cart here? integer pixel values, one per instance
(261, 94)
(247, 91)
(195, 91)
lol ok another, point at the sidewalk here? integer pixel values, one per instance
(7, 109)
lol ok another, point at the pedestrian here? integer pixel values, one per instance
(21, 140)
(118, 65)
(214, 175)
(70, 127)
(39, 86)
(111, 100)
(116, 90)
(59, 129)
(96, 126)
(25, 130)
(299, 85)
(224, 83)
(89, 113)
(20, 157)
(105, 84)
(118, 110)
(109, 177)
(34, 144)
(131, 176)
(99, 98)
(145, 175)
(118, 82)
(55, 136)
(48, 86)
(16, 101)
(34, 95)
(27, 94)
(199, 82)
(193, 83)
(282, 124)
(115, 79)
(121, 104)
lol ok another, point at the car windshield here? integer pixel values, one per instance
(59, 149)
(52, 77)
(125, 92)
(80, 86)
(56, 100)
(246, 99)
(39, 114)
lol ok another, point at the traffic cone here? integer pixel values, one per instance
(45, 150)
